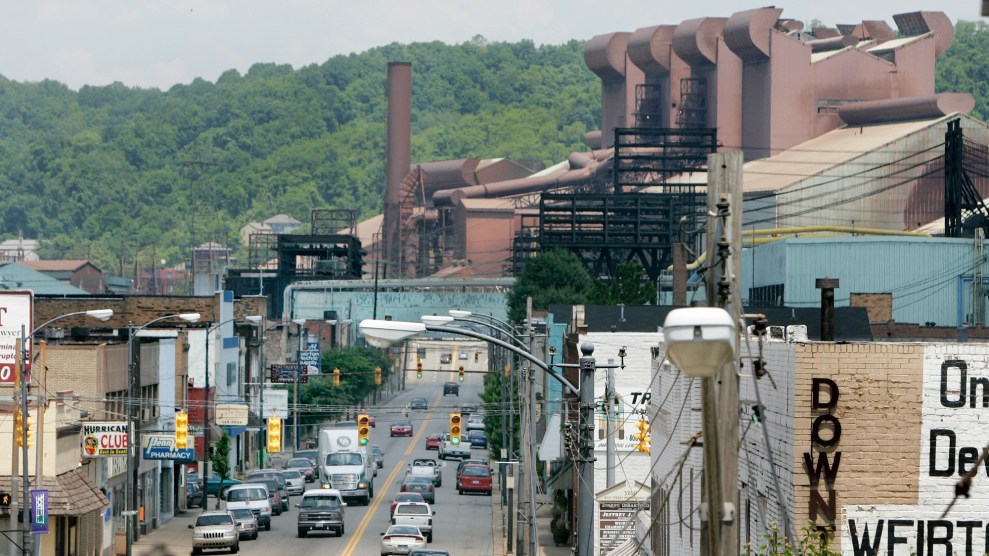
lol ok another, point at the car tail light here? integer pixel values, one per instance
(430, 488)
(420, 539)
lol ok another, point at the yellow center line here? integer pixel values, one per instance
(372, 508)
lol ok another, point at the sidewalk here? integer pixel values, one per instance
(499, 528)
(172, 538)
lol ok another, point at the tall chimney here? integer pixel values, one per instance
(827, 287)
(398, 161)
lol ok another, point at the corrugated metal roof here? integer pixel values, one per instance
(15, 276)
(895, 43)
(56, 265)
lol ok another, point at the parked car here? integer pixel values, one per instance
(451, 388)
(194, 496)
(478, 439)
(295, 483)
(475, 478)
(193, 477)
(216, 530)
(378, 455)
(254, 497)
(419, 404)
(247, 523)
(213, 485)
(433, 441)
(400, 539)
(404, 497)
(302, 465)
(321, 509)
(418, 514)
(422, 485)
(401, 428)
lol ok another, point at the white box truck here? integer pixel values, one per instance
(345, 465)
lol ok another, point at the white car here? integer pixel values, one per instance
(475, 422)
(418, 514)
(400, 539)
(295, 482)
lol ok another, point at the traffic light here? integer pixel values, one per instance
(507, 371)
(476, 356)
(419, 369)
(274, 434)
(181, 430)
(377, 375)
(643, 437)
(455, 430)
(461, 373)
(363, 429)
(20, 425)
(336, 377)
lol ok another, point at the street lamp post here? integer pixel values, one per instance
(133, 393)
(22, 393)
(382, 334)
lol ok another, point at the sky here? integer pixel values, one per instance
(160, 43)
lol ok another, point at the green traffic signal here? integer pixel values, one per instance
(454, 440)
(363, 442)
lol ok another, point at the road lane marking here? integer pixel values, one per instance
(371, 509)
(422, 426)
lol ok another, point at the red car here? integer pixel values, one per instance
(475, 478)
(433, 441)
(404, 497)
(401, 428)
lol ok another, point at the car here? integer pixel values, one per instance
(302, 465)
(450, 450)
(247, 523)
(321, 510)
(404, 497)
(370, 418)
(194, 496)
(425, 467)
(433, 441)
(279, 478)
(427, 552)
(475, 422)
(295, 483)
(193, 477)
(478, 439)
(468, 408)
(213, 485)
(418, 514)
(400, 539)
(460, 467)
(274, 493)
(446, 358)
(255, 497)
(475, 478)
(312, 456)
(451, 388)
(419, 404)
(401, 428)
(378, 455)
(216, 530)
(462, 356)
(422, 485)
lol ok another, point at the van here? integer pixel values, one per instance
(278, 478)
(253, 497)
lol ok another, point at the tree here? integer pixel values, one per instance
(221, 462)
(631, 286)
(356, 364)
(554, 276)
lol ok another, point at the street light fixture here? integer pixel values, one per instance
(133, 392)
(699, 340)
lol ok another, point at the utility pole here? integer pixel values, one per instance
(531, 412)
(719, 393)
(609, 409)
(26, 502)
(585, 432)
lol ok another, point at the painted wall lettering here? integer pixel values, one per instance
(825, 434)
(967, 388)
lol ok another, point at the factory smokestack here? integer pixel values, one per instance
(398, 161)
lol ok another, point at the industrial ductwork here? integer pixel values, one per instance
(901, 109)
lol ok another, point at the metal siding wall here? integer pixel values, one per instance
(403, 306)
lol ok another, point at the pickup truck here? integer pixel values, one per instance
(450, 450)
(418, 514)
(427, 468)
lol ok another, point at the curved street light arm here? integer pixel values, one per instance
(101, 314)
(518, 351)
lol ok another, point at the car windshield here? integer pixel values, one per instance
(476, 471)
(376, 449)
(299, 462)
(408, 497)
(214, 519)
(292, 474)
(419, 480)
(343, 458)
(246, 495)
(331, 502)
(311, 455)
(242, 513)
(402, 530)
(412, 509)
(419, 401)
(401, 424)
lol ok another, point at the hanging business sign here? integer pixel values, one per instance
(287, 374)
(104, 439)
(309, 357)
(162, 447)
(231, 414)
(16, 318)
(39, 512)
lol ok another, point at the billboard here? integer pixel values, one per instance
(104, 439)
(16, 313)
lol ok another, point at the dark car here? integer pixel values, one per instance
(419, 403)
(279, 479)
(427, 552)
(478, 439)
(468, 408)
(194, 495)
(213, 485)
(312, 456)
(451, 388)
(446, 358)
(475, 478)
(422, 485)
(400, 428)
(304, 466)
(378, 455)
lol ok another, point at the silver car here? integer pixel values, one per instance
(215, 530)
(400, 539)
(295, 483)
(247, 524)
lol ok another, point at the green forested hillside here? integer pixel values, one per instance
(113, 173)
(110, 173)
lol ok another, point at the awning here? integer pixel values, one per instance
(72, 493)
(551, 448)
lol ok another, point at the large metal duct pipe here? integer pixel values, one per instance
(901, 109)
(831, 43)
(650, 48)
(918, 23)
(695, 41)
(398, 153)
(747, 33)
(605, 56)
